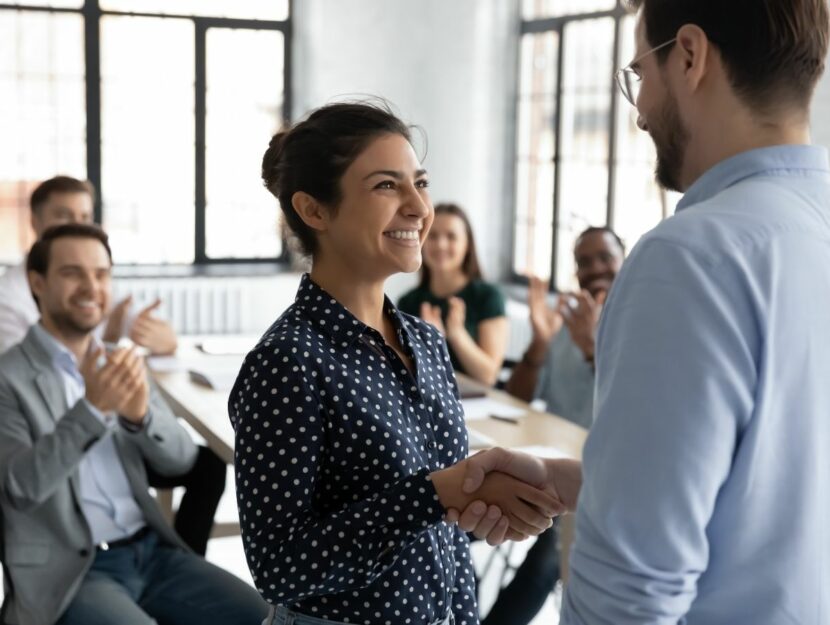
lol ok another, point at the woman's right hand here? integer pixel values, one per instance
(527, 509)
(432, 314)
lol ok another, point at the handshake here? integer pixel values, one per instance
(504, 495)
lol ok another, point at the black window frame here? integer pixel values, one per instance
(92, 14)
(558, 25)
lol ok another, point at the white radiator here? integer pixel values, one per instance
(238, 305)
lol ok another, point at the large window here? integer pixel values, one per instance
(580, 158)
(165, 105)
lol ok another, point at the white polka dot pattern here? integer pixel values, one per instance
(335, 440)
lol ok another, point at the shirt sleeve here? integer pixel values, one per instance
(491, 302)
(677, 352)
(296, 546)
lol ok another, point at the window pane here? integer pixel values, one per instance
(639, 202)
(147, 132)
(536, 126)
(42, 114)
(55, 4)
(586, 113)
(241, 9)
(242, 115)
(532, 9)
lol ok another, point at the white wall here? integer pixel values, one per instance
(448, 66)
(821, 112)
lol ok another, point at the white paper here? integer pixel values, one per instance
(165, 364)
(543, 451)
(486, 407)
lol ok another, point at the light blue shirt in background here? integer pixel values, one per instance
(706, 495)
(107, 500)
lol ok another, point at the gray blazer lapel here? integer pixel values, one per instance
(50, 387)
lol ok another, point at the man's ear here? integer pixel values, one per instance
(37, 284)
(695, 55)
(312, 212)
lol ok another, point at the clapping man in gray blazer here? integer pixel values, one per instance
(83, 541)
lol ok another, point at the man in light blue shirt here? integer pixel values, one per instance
(704, 495)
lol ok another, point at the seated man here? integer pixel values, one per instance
(66, 200)
(558, 368)
(83, 541)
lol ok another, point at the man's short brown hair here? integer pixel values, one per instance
(773, 50)
(59, 184)
(38, 258)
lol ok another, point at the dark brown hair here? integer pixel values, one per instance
(470, 265)
(313, 155)
(59, 184)
(773, 50)
(38, 258)
(600, 230)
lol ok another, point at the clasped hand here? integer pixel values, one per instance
(559, 480)
(120, 385)
(520, 509)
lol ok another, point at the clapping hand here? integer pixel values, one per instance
(432, 315)
(153, 333)
(120, 385)
(581, 313)
(456, 315)
(545, 321)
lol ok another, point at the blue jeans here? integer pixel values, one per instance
(281, 615)
(149, 582)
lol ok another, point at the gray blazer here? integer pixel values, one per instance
(47, 545)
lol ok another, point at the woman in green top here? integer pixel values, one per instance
(453, 297)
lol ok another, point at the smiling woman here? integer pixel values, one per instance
(350, 441)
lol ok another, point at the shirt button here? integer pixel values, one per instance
(432, 444)
(83, 553)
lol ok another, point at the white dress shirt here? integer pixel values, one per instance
(18, 311)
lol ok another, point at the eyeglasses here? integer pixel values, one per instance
(628, 78)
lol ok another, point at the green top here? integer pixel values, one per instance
(482, 299)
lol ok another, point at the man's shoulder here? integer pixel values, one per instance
(747, 216)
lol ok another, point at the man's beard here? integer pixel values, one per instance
(671, 140)
(68, 326)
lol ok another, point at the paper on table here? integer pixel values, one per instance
(165, 364)
(485, 407)
(543, 451)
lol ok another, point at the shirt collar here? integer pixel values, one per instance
(334, 319)
(781, 158)
(60, 355)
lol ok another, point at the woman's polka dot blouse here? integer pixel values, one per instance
(335, 441)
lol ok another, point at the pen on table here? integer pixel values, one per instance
(512, 420)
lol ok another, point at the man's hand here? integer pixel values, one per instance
(528, 510)
(432, 314)
(545, 321)
(117, 319)
(583, 319)
(134, 409)
(117, 384)
(153, 333)
(561, 477)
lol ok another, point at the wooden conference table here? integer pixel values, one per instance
(205, 409)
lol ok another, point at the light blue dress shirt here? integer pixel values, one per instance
(107, 500)
(566, 381)
(706, 494)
